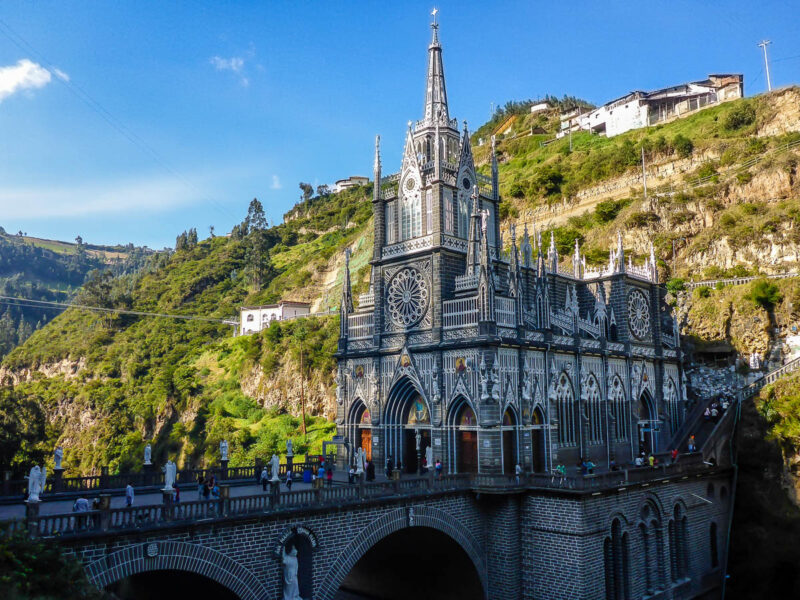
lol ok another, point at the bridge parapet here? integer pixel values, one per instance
(112, 521)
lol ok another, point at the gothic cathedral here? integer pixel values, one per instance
(485, 355)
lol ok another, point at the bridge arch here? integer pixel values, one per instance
(176, 556)
(392, 522)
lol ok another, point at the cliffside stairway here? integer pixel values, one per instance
(709, 434)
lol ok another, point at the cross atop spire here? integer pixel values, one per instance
(435, 92)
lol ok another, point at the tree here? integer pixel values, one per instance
(683, 145)
(308, 191)
(323, 190)
(181, 242)
(22, 426)
(257, 257)
(191, 238)
(256, 219)
(211, 230)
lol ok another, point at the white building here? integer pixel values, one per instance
(640, 109)
(351, 181)
(541, 107)
(253, 319)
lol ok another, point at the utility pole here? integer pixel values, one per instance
(644, 174)
(763, 44)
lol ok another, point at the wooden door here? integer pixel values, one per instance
(467, 451)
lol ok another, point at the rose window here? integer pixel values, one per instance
(407, 297)
(638, 314)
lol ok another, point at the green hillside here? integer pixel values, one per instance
(177, 382)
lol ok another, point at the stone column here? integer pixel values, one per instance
(105, 515)
(223, 472)
(103, 478)
(225, 497)
(32, 518)
(58, 480)
(289, 462)
(6, 483)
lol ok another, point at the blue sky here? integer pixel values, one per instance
(220, 102)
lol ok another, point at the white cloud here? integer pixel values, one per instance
(25, 75)
(234, 64)
(276, 183)
(128, 195)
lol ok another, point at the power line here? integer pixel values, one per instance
(115, 123)
(47, 304)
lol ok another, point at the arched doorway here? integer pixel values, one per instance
(463, 427)
(407, 415)
(169, 584)
(416, 562)
(510, 442)
(360, 429)
(647, 423)
(537, 440)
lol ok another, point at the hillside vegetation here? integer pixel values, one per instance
(103, 385)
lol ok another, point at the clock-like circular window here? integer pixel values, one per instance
(411, 184)
(407, 297)
(466, 183)
(638, 314)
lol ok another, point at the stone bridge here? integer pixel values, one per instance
(659, 533)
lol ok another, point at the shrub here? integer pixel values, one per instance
(641, 219)
(607, 210)
(683, 145)
(676, 284)
(702, 292)
(744, 177)
(765, 294)
(740, 116)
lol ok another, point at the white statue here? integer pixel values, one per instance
(223, 449)
(484, 380)
(289, 448)
(275, 466)
(361, 461)
(429, 457)
(170, 474)
(147, 454)
(291, 585)
(495, 376)
(58, 456)
(437, 395)
(36, 481)
(527, 386)
(418, 438)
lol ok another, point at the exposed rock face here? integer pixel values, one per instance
(785, 116)
(69, 368)
(282, 389)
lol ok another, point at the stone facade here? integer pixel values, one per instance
(496, 355)
(529, 544)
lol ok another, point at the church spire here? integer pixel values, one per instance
(435, 92)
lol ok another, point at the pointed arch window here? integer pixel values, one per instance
(411, 216)
(463, 215)
(615, 555)
(391, 226)
(565, 407)
(593, 412)
(429, 211)
(619, 412)
(449, 211)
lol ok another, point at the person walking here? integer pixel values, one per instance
(518, 472)
(351, 475)
(370, 471)
(438, 468)
(129, 494)
(673, 455)
(692, 446)
(651, 461)
(329, 477)
(289, 480)
(176, 494)
(201, 486)
(389, 467)
(264, 478)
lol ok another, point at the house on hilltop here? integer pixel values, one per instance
(253, 319)
(641, 109)
(352, 181)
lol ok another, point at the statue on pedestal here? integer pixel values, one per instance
(289, 448)
(147, 454)
(170, 474)
(291, 585)
(429, 458)
(36, 482)
(223, 449)
(418, 438)
(58, 456)
(275, 467)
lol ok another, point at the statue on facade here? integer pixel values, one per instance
(484, 380)
(148, 452)
(418, 438)
(495, 380)
(170, 475)
(275, 467)
(36, 482)
(437, 395)
(429, 458)
(291, 585)
(289, 448)
(527, 386)
(58, 456)
(373, 382)
(340, 387)
(223, 449)
(361, 460)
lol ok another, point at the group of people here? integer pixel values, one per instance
(369, 472)
(716, 409)
(207, 488)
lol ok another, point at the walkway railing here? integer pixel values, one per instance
(110, 520)
(736, 280)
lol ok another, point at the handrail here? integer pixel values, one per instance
(737, 280)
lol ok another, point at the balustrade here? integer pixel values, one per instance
(360, 326)
(504, 311)
(461, 312)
